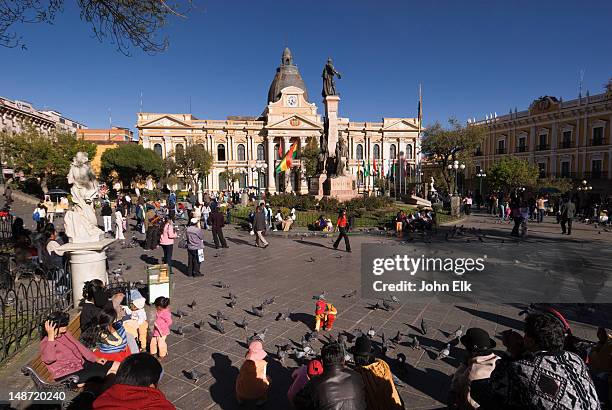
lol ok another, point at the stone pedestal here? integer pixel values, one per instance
(342, 188)
(331, 112)
(87, 262)
(455, 206)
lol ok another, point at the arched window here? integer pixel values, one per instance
(241, 153)
(277, 151)
(359, 152)
(376, 151)
(261, 152)
(158, 149)
(392, 151)
(179, 149)
(360, 177)
(221, 152)
(409, 151)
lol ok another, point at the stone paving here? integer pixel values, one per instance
(293, 269)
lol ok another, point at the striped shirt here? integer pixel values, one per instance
(109, 345)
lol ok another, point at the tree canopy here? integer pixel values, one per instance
(454, 143)
(309, 157)
(511, 173)
(132, 163)
(40, 155)
(192, 162)
(125, 23)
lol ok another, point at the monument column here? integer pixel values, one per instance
(270, 153)
(331, 113)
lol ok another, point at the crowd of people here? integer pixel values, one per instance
(423, 220)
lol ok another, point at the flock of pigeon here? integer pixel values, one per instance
(303, 349)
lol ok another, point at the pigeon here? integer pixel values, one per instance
(350, 294)
(397, 339)
(192, 304)
(232, 296)
(269, 301)
(371, 332)
(178, 330)
(356, 333)
(387, 305)
(311, 259)
(458, 333)
(395, 299)
(221, 284)
(219, 325)
(282, 354)
(193, 374)
(258, 336)
(319, 297)
(444, 353)
(423, 326)
(232, 303)
(244, 324)
(385, 344)
(416, 345)
(199, 325)
(179, 313)
(284, 315)
(376, 306)
(221, 316)
(258, 310)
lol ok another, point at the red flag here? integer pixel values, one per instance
(375, 168)
(280, 149)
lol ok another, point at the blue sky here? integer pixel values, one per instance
(472, 57)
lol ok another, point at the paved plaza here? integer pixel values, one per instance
(293, 269)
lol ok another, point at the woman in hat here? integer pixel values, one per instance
(252, 382)
(479, 365)
(302, 375)
(381, 393)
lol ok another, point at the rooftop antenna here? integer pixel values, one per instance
(580, 83)
(140, 101)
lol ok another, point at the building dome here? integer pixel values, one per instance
(287, 74)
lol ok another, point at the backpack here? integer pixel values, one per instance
(36, 215)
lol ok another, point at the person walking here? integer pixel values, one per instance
(259, 226)
(467, 204)
(107, 216)
(119, 223)
(217, 224)
(541, 205)
(568, 210)
(128, 202)
(140, 214)
(205, 214)
(40, 216)
(341, 226)
(195, 247)
(166, 241)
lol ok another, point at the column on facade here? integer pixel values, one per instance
(532, 144)
(167, 145)
(270, 157)
(288, 172)
(553, 149)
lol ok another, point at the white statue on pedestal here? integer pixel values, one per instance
(81, 223)
(432, 189)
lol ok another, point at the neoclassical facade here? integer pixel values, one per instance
(252, 146)
(15, 115)
(567, 139)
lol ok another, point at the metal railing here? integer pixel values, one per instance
(26, 301)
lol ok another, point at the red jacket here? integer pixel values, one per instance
(126, 397)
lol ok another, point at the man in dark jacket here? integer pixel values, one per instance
(337, 388)
(568, 210)
(259, 226)
(216, 221)
(537, 373)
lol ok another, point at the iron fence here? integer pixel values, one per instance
(26, 301)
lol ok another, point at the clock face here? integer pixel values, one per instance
(292, 101)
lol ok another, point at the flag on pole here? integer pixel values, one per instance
(366, 169)
(280, 149)
(374, 168)
(286, 162)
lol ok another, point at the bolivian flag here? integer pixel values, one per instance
(285, 163)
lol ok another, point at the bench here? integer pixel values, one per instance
(41, 376)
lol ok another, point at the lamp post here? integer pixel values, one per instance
(259, 167)
(480, 175)
(455, 166)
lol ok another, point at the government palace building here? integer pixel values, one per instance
(252, 146)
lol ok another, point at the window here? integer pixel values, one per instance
(261, 152)
(392, 151)
(501, 146)
(179, 149)
(542, 142)
(376, 151)
(277, 151)
(409, 151)
(242, 181)
(158, 149)
(542, 169)
(241, 153)
(598, 136)
(596, 168)
(359, 152)
(522, 145)
(63, 121)
(360, 177)
(221, 152)
(565, 169)
(567, 139)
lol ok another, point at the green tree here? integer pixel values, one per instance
(125, 22)
(192, 163)
(230, 177)
(309, 157)
(562, 185)
(132, 163)
(41, 155)
(455, 143)
(511, 173)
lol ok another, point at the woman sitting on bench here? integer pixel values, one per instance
(65, 356)
(111, 337)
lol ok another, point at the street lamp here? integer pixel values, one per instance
(480, 175)
(584, 186)
(456, 166)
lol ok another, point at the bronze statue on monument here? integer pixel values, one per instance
(329, 86)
